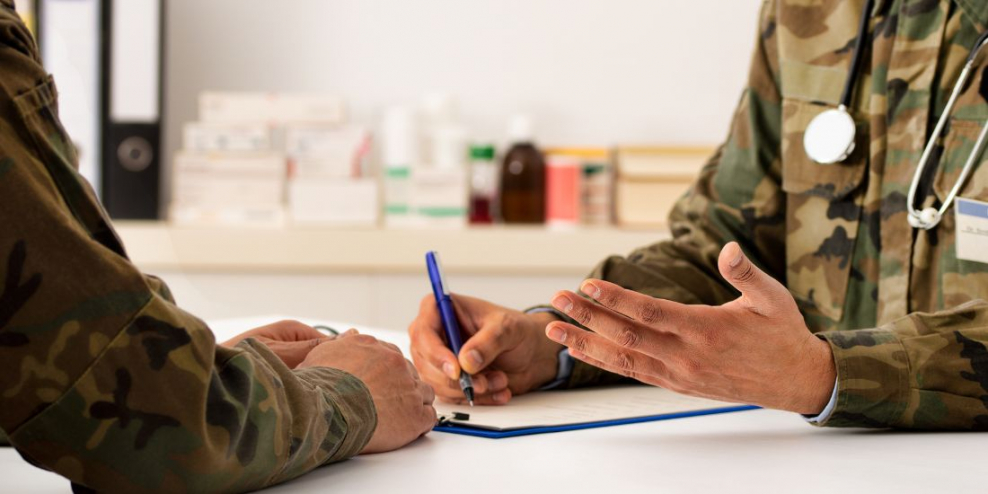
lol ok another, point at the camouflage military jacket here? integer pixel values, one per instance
(906, 319)
(103, 379)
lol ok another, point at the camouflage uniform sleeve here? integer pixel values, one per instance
(103, 379)
(738, 196)
(924, 371)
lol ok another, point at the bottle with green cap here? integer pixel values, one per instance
(483, 184)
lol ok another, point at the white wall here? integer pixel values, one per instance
(592, 72)
(375, 300)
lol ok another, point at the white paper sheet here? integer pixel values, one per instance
(579, 406)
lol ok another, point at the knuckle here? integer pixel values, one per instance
(291, 324)
(629, 337)
(746, 274)
(582, 314)
(581, 344)
(689, 367)
(626, 362)
(607, 297)
(497, 334)
(648, 313)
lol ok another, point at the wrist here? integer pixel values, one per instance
(547, 359)
(818, 385)
(542, 319)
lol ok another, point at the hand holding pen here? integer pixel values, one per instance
(444, 302)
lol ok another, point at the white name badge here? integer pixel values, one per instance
(972, 230)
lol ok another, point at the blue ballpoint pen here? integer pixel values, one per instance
(448, 315)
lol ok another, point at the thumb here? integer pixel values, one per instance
(488, 344)
(762, 292)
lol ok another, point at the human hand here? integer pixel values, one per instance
(755, 349)
(505, 350)
(403, 401)
(291, 341)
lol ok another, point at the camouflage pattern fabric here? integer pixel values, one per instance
(103, 379)
(906, 319)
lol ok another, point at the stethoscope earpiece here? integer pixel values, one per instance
(913, 220)
(925, 219)
(929, 218)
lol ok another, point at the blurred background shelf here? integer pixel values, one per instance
(488, 251)
(370, 277)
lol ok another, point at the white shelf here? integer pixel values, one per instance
(494, 250)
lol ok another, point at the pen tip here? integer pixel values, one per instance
(471, 402)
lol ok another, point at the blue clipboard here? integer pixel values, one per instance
(495, 434)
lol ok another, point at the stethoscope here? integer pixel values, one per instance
(830, 137)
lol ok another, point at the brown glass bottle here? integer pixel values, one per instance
(523, 185)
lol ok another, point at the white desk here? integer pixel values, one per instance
(755, 451)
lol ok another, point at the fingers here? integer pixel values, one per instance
(412, 370)
(483, 384)
(487, 387)
(391, 346)
(639, 307)
(428, 348)
(491, 399)
(428, 419)
(348, 333)
(428, 395)
(762, 293)
(290, 330)
(291, 353)
(287, 330)
(648, 379)
(621, 330)
(612, 356)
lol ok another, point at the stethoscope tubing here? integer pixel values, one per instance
(931, 220)
(840, 126)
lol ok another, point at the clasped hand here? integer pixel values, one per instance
(402, 401)
(755, 349)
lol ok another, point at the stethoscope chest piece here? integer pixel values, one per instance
(829, 138)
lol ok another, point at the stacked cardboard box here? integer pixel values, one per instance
(260, 159)
(651, 179)
(228, 174)
(328, 180)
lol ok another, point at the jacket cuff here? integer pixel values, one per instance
(873, 385)
(3, 439)
(357, 418)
